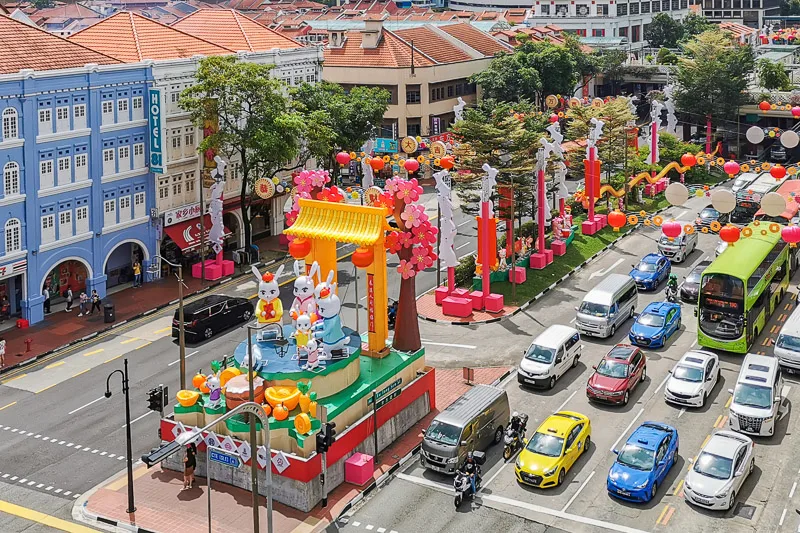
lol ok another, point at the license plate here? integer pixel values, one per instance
(623, 492)
(530, 380)
(701, 500)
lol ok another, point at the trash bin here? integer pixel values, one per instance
(108, 313)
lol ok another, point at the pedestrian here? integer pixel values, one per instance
(137, 274)
(2, 353)
(83, 302)
(95, 302)
(46, 294)
(5, 309)
(189, 464)
(69, 296)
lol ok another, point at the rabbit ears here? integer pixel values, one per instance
(300, 269)
(268, 276)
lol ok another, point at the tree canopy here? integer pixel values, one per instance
(664, 31)
(772, 76)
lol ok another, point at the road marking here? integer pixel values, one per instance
(87, 354)
(143, 345)
(53, 365)
(716, 423)
(427, 483)
(109, 360)
(137, 419)
(465, 222)
(661, 384)
(783, 517)
(465, 346)
(44, 389)
(728, 403)
(128, 341)
(694, 342)
(162, 330)
(785, 391)
(560, 407)
(607, 270)
(573, 320)
(8, 405)
(591, 475)
(463, 245)
(669, 515)
(661, 516)
(16, 377)
(678, 488)
(791, 492)
(188, 355)
(683, 410)
(772, 330)
(44, 519)
(84, 406)
(613, 446)
(708, 438)
(81, 372)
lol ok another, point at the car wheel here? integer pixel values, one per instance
(208, 332)
(552, 383)
(653, 490)
(631, 314)
(626, 398)
(752, 465)
(587, 443)
(644, 373)
(705, 397)
(575, 361)
(732, 500)
(679, 325)
(246, 315)
(498, 435)
(613, 330)
(560, 478)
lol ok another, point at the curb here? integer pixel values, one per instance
(81, 514)
(215, 284)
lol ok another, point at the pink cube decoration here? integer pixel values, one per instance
(548, 255)
(517, 275)
(649, 190)
(477, 299)
(460, 293)
(494, 303)
(602, 221)
(589, 227)
(440, 294)
(454, 306)
(558, 247)
(358, 469)
(538, 261)
(227, 267)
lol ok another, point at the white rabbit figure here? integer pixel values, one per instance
(215, 394)
(312, 349)
(258, 358)
(303, 290)
(328, 329)
(303, 330)
(503, 266)
(269, 309)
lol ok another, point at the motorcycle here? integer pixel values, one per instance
(463, 486)
(672, 294)
(513, 439)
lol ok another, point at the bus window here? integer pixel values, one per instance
(722, 306)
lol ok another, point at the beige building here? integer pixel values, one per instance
(426, 69)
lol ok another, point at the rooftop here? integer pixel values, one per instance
(230, 29)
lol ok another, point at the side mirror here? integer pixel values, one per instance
(669, 371)
(633, 266)
(730, 391)
(616, 451)
(708, 378)
(559, 359)
(525, 441)
(594, 367)
(576, 307)
(463, 443)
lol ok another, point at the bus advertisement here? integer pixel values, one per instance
(741, 289)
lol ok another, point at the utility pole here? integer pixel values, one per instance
(322, 411)
(253, 442)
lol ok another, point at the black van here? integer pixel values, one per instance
(212, 314)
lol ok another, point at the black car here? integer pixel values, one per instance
(709, 215)
(691, 285)
(212, 314)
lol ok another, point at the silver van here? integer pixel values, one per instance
(679, 248)
(607, 306)
(550, 355)
(787, 347)
(471, 423)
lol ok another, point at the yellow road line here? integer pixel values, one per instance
(162, 330)
(81, 372)
(128, 341)
(87, 354)
(786, 307)
(143, 345)
(53, 365)
(678, 488)
(41, 518)
(8, 405)
(122, 481)
(773, 328)
(708, 438)
(15, 377)
(669, 515)
(727, 404)
(716, 423)
(782, 317)
(661, 516)
(722, 422)
(44, 389)
(109, 360)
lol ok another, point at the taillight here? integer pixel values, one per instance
(193, 324)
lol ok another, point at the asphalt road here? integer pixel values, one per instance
(767, 502)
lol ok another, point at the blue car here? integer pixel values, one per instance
(651, 271)
(643, 463)
(655, 324)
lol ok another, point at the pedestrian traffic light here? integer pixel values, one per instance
(321, 440)
(330, 432)
(164, 396)
(155, 399)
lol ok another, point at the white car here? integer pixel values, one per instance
(721, 247)
(693, 378)
(719, 471)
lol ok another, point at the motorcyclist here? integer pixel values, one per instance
(673, 282)
(516, 423)
(470, 468)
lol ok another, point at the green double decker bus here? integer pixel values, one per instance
(741, 289)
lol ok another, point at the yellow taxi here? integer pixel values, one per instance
(553, 449)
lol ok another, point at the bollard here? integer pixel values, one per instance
(28, 343)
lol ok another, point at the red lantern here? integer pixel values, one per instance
(731, 168)
(764, 106)
(778, 172)
(791, 234)
(362, 257)
(553, 118)
(729, 234)
(411, 165)
(299, 248)
(671, 229)
(688, 160)
(616, 219)
(342, 158)
(796, 112)
(447, 162)
(377, 164)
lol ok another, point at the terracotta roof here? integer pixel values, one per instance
(67, 11)
(432, 44)
(475, 38)
(233, 30)
(130, 37)
(28, 47)
(392, 52)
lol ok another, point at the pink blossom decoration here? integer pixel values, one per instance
(404, 239)
(406, 269)
(319, 178)
(424, 234)
(303, 181)
(392, 242)
(409, 191)
(392, 185)
(413, 214)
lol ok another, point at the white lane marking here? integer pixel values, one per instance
(578, 492)
(356, 524)
(465, 346)
(607, 270)
(40, 485)
(463, 245)
(50, 487)
(58, 491)
(67, 492)
(86, 449)
(785, 391)
(188, 355)
(84, 406)
(369, 527)
(694, 342)
(683, 410)
(381, 530)
(494, 476)
(573, 320)
(560, 407)
(783, 516)
(138, 418)
(613, 446)
(661, 384)
(465, 222)
(427, 483)
(14, 478)
(791, 492)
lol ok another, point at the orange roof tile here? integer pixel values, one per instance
(392, 52)
(28, 47)
(475, 38)
(131, 37)
(433, 44)
(233, 30)
(67, 11)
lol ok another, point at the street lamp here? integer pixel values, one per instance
(181, 331)
(126, 392)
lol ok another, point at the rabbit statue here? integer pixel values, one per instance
(303, 291)
(269, 309)
(303, 331)
(215, 394)
(328, 329)
(312, 349)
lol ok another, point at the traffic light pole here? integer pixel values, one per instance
(322, 411)
(125, 390)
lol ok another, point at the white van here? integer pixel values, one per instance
(550, 355)
(787, 347)
(607, 306)
(679, 248)
(757, 397)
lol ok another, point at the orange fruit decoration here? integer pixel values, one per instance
(198, 381)
(280, 412)
(288, 396)
(187, 398)
(302, 423)
(226, 375)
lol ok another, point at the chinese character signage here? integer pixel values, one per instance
(181, 214)
(385, 146)
(446, 138)
(371, 302)
(264, 188)
(157, 132)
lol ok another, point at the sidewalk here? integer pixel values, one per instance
(164, 508)
(60, 328)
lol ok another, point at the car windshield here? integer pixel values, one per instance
(694, 276)
(714, 466)
(612, 369)
(593, 309)
(443, 433)
(635, 457)
(649, 319)
(540, 354)
(646, 267)
(545, 444)
(688, 373)
(787, 342)
(752, 396)
(709, 212)
(666, 240)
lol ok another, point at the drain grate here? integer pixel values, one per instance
(744, 511)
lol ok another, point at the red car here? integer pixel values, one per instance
(617, 374)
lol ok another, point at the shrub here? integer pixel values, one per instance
(465, 271)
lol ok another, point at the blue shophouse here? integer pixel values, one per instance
(77, 192)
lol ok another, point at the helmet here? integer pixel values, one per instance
(515, 415)
(673, 277)
(469, 455)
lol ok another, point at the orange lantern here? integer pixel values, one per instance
(363, 257)
(447, 162)
(377, 163)
(617, 219)
(729, 234)
(300, 248)
(688, 160)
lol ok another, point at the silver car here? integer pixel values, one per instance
(719, 471)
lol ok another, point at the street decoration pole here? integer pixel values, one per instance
(253, 443)
(126, 391)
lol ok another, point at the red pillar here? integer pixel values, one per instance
(541, 204)
(486, 267)
(708, 134)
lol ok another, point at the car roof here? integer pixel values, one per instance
(698, 358)
(628, 353)
(659, 308)
(702, 265)
(649, 435)
(206, 301)
(554, 336)
(652, 258)
(757, 370)
(560, 423)
(725, 443)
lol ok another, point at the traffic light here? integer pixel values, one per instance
(321, 440)
(164, 396)
(155, 399)
(330, 432)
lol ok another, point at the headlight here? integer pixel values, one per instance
(551, 471)
(642, 485)
(618, 393)
(520, 464)
(452, 460)
(722, 495)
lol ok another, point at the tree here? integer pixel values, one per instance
(713, 76)
(694, 24)
(664, 31)
(772, 76)
(666, 57)
(257, 125)
(43, 4)
(790, 8)
(611, 65)
(347, 119)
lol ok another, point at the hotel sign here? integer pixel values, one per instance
(157, 132)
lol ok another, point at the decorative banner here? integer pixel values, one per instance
(773, 204)
(438, 149)
(723, 200)
(264, 188)
(385, 146)
(261, 456)
(574, 102)
(244, 451)
(227, 444)
(212, 439)
(409, 145)
(157, 131)
(178, 428)
(551, 101)
(371, 303)
(372, 195)
(676, 193)
(280, 461)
